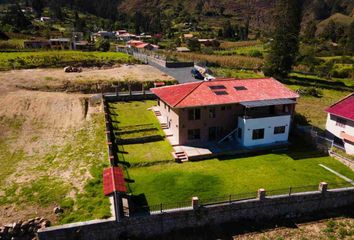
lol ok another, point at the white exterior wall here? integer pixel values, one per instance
(336, 130)
(268, 123)
(349, 148)
(348, 128)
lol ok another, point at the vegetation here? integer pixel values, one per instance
(169, 182)
(20, 60)
(285, 45)
(86, 151)
(135, 117)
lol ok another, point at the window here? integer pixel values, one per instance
(158, 102)
(341, 122)
(194, 114)
(216, 87)
(212, 112)
(193, 134)
(258, 134)
(279, 130)
(239, 133)
(221, 93)
(215, 133)
(228, 107)
(240, 88)
(169, 109)
(223, 108)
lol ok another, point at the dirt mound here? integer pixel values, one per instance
(41, 116)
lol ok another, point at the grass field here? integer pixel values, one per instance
(313, 108)
(169, 182)
(127, 115)
(48, 185)
(43, 59)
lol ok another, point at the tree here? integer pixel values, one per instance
(193, 44)
(350, 39)
(285, 44)
(329, 31)
(38, 6)
(15, 18)
(228, 30)
(103, 45)
(55, 8)
(310, 32)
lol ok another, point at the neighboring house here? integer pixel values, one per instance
(82, 45)
(104, 35)
(60, 43)
(147, 46)
(31, 44)
(340, 123)
(251, 112)
(134, 43)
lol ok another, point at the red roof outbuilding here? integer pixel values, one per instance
(113, 180)
(343, 108)
(223, 91)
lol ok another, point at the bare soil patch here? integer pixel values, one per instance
(58, 80)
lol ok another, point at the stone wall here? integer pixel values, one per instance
(300, 204)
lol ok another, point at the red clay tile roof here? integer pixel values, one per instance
(343, 108)
(199, 93)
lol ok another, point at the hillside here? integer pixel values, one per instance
(158, 16)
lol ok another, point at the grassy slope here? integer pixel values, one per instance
(168, 182)
(45, 189)
(22, 60)
(314, 108)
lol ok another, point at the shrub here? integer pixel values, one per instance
(255, 53)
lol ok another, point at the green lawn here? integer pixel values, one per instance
(169, 182)
(134, 116)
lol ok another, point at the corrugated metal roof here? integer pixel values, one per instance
(264, 103)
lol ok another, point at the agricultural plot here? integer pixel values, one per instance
(161, 180)
(45, 59)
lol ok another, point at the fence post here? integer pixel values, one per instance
(161, 207)
(261, 194)
(230, 198)
(195, 202)
(322, 187)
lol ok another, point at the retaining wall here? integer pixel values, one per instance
(149, 226)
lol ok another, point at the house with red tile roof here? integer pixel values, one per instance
(250, 113)
(340, 123)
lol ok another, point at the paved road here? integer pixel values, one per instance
(182, 75)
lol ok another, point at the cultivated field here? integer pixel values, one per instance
(161, 180)
(45, 59)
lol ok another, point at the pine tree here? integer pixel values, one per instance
(285, 45)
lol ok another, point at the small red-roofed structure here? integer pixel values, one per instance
(113, 181)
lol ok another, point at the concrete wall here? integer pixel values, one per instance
(171, 117)
(149, 226)
(268, 123)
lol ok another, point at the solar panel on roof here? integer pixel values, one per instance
(238, 88)
(221, 93)
(216, 87)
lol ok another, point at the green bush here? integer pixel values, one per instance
(255, 53)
